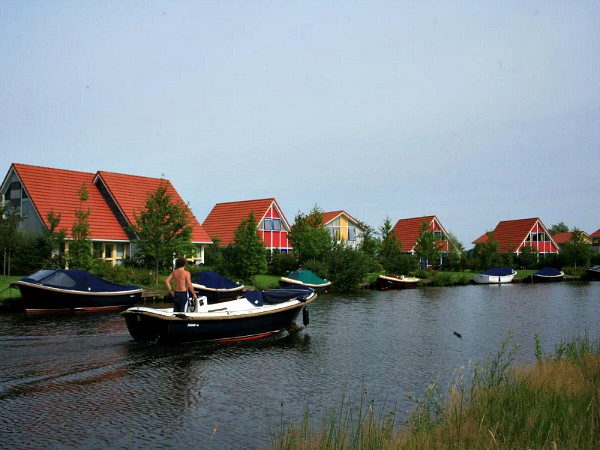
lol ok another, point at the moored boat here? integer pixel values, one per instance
(548, 275)
(256, 315)
(64, 290)
(306, 278)
(593, 273)
(215, 287)
(391, 281)
(495, 275)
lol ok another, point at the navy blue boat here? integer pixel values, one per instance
(215, 287)
(548, 275)
(257, 314)
(64, 290)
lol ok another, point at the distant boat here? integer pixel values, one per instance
(390, 281)
(64, 290)
(215, 287)
(548, 275)
(593, 273)
(304, 277)
(495, 275)
(257, 314)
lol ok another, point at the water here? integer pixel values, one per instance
(80, 381)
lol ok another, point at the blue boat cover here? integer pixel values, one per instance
(213, 280)
(274, 296)
(548, 272)
(76, 280)
(499, 271)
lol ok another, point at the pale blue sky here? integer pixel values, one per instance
(475, 111)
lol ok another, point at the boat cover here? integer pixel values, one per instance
(274, 296)
(307, 277)
(214, 280)
(75, 280)
(499, 271)
(548, 272)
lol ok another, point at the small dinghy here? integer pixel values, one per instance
(305, 278)
(548, 275)
(215, 287)
(496, 275)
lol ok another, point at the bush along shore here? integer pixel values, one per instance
(554, 403)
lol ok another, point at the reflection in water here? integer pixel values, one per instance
(79, 380)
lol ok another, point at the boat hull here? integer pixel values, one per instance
(146, 324)
(392, 282)
(44, 299)
(492, 279)
(546, 279)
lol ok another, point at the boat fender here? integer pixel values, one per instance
(305, 318)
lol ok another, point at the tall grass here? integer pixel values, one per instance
(492, 404)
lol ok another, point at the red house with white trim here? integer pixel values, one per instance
(514, 235)
(407, 233)
(272, 225)
(595, 237)
(113, 198)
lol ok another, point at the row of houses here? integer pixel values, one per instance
(114, 200)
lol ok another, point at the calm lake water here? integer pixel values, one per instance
(80, 381)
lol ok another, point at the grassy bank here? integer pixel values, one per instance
(493, 404)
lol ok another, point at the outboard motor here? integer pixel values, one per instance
(199, 305)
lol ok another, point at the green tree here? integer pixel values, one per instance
(80, 249)
(577, 251)
(427, 246)
(249, 251)
(369, 244)
(391, 257)
(348, 267)
(487, 250)
(9, 226)
(308, 236)
(163, 229)
(53, 242)
(558, 228)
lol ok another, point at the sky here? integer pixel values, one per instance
(473, 111)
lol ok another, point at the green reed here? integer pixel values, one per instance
(492, 404)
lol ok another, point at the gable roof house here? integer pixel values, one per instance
(407, 233)
(272, 226)
(564, 238)
(113, 198)
(514, 235)
(342, 227)
(595, 237)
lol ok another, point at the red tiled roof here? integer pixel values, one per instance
(563, 238)
(131, 191)
(56, 190)
(331, 215)
(225, 218)
(510, 234)
(407, 231)
(596, 233)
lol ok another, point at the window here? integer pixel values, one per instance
(351, 234)
(277, 224)
(267, 225)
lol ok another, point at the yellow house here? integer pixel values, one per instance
(342, 227)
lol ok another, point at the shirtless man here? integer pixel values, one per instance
(183, 285)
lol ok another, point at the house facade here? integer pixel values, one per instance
(595, 237)
(35, 192)
(272, 225)
(342, 227)
(515, 235)
(407, 233)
